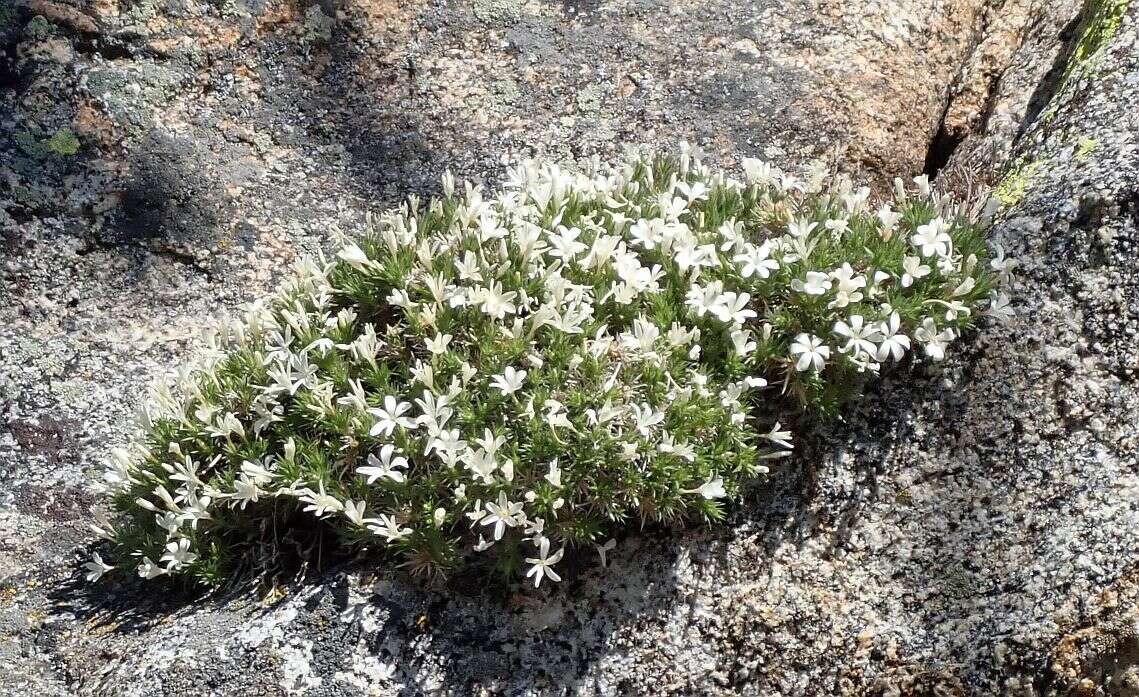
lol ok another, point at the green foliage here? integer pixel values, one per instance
(587, 350)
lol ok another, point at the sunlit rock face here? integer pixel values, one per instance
(973, 533)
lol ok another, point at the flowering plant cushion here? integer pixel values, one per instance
(515, 373)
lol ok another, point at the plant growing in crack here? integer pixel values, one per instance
(513, 374)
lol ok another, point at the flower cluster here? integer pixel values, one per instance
(515, 374)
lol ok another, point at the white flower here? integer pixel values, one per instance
(435, 414)
(731, 308)
(780, 437)
(815, 283)
(669, 445)
(564, 244)
(646, 417)
(96, 567)
(672, 207)
(922, 181)
(483, 464)
(384, 466)
(955, 309)
(703, 299)
(847, 286)
(893, 342)
(756, 261)
(502, 515)
(711, 489)
(741, 342)
(438, 344)
(196, 509)
(354, 511)
(399, 298)
(387, 527)
(355, 257)
(889, 219)
(448, 444)
(964, 287)
(647, 233)
(837, 226)
(178, 554)
(390, 416)
(245, 491)
(811, 352)
(534, 529)
(257, 472)
(496, 303)
(468, 267)
(510, 381)
(170, 522)
(693, 192)
(490, 441)
(914, 270)
(543, 564)
(759, 172)
(801, 227)
(319, 502)
(148, 569)
(932, 238)
(554, 476)
(860, 337)
(933, 341)
(605, 414)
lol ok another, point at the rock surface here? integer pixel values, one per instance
(970, 530)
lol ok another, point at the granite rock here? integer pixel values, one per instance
(966, 530)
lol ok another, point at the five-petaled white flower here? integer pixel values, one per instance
(510, 381)
(731, 308)
(543, 564)
(503, 514)
(148, 569)
(756, 261)
(847, 286)
(178, 554)
(384, 466)
(932, 238)
(933, 341)
(815, 283)
(894, 342)
(860, 336)
(388, 527)
(354, 511)
(319, 502)
(391, 415)
(913, 269)
(810, 352)
(741, 342)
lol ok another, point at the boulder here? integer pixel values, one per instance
(969, 529)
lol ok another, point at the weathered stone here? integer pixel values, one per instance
(970, 530)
